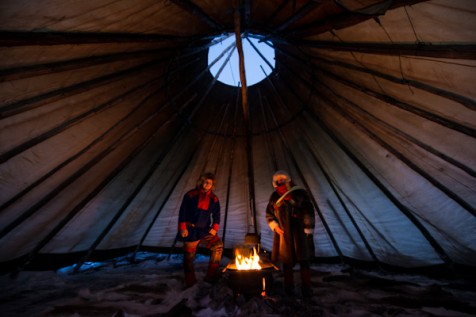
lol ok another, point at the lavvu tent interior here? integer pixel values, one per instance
(109, 111)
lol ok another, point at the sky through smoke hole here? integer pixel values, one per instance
(254, 63)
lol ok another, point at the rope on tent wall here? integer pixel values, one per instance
(400, 63)
(381, 237)
(449, 95)
(427, 176)
(71, 122)
(230, 167)
(405, 106)
(374, 9)
(455, 197)
(60, 128)
(48, 97)
(130, 198)
(278, 9)
(406, 211)
(197, 11)
(214, 143)
(76, 209)
(78, 173)
(197, 146)
(210, 86)
(21, 72)
(53, 193)
(411, 24)
(463, 100)
(172, 189)
(339, 197)
(197, 78)
(298, 15)
(219, 156)
(267, 139)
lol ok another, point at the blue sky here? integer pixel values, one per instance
(231, 74)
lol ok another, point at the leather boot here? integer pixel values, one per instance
(306, 286)
(190, 279)
(288, 280)
(188, 267)
(213, 275)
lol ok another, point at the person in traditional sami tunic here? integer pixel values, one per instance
(290, 214)
(198, 223)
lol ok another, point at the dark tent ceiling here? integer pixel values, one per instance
(108, 114)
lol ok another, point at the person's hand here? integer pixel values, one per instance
(213, 232)
(279, 231)
(183, 233)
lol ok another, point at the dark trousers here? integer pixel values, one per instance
(212, 242)
(288, 274)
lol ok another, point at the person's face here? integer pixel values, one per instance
(207, 185)
(281, 180)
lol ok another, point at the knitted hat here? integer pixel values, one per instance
(280, 174)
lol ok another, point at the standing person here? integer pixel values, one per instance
(290, 215)
(198, 223)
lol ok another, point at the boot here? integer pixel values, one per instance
(190, 279)
(188, 267)
(306, 286)
(288, 280)
(213, 275)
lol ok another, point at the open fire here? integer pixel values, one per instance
(250, 262)
(248, 274)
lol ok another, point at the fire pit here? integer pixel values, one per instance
(249, 275)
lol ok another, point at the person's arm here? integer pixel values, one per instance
(271, 218)
(307, 210)
(182, 221)
(215, 216)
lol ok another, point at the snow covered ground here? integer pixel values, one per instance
(154, 286)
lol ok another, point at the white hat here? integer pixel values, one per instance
(280, 174)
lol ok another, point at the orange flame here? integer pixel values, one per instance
(247, 263)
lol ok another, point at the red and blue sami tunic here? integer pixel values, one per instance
(199, 212)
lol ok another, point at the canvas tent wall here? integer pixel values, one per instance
(109, 113)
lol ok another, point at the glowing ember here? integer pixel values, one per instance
(263, 292)
(247, 263)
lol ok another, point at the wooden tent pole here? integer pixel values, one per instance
(246, 119)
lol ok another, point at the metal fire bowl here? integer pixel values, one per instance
(249, 283)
